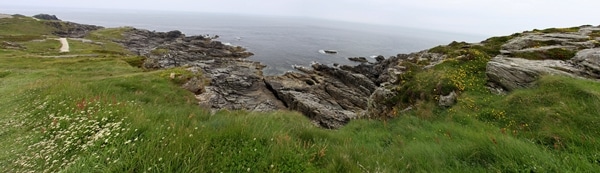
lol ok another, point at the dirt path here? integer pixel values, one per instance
(65, 45)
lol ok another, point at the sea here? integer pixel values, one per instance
(277, 42)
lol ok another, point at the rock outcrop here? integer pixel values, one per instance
(329, 96)
(448, 100)
(513, 73)
(172, 49)
(66, 29)
(532, 54)
(237, 85)
(588, 60)
(46, 17)
(234, 83)
(71, 30)
(358, 59)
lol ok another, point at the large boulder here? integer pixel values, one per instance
(589, 61)
(196, 83)
(447, 100)
(329, 96)
(237, 85)
(326, 115)
(513, 73)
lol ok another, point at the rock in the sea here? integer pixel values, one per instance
(358, 59)
(330, 51)
(46, 17)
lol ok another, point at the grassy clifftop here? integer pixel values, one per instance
(102, 114)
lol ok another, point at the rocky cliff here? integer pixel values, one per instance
(235, 83)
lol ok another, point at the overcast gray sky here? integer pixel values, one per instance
(486, 17)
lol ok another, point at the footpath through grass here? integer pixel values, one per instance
(101, 114)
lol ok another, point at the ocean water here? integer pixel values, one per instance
(278, 42)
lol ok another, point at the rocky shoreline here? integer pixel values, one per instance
(331, 96)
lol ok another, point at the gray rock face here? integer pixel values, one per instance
(508, 71)
(513, 73)
(238, 85)
(589, 61)
(329, 96)
(447, 100)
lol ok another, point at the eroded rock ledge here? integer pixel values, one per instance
(532, 54)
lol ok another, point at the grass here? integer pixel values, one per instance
(553, 54)
(24, 26)
(595, 34)
(558, 30)
(102, 114)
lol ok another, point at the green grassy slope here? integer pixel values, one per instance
(100, 114)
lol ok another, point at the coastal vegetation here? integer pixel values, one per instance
(104, 113)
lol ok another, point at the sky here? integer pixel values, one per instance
(482, 17)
